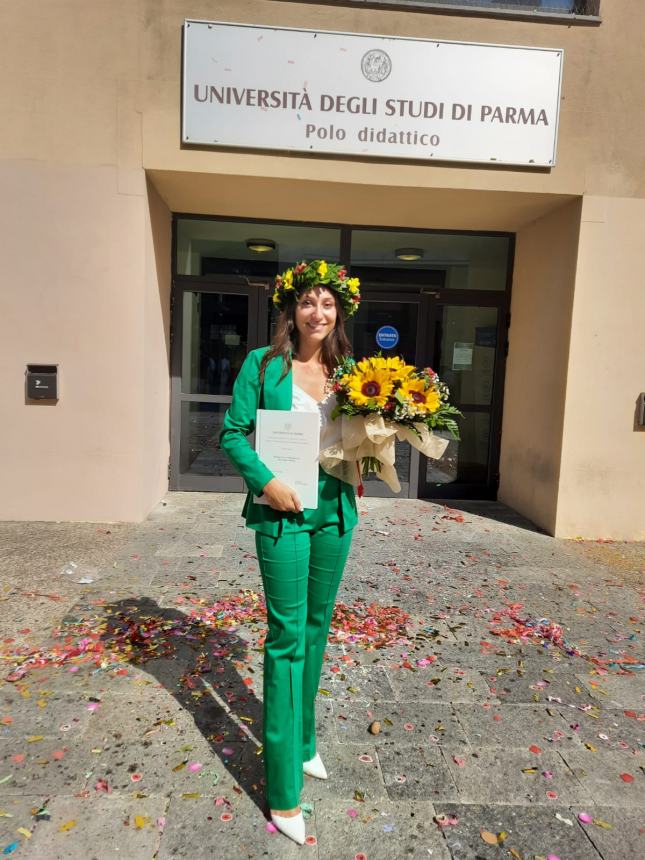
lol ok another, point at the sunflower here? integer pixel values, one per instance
(419, 400)
(375, 362)
(398, 368)
(370, 386)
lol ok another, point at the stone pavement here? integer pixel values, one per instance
(503, 667)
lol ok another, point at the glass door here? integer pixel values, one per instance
(391, 323)
(215, 326)
(463, 346)
(459, 335)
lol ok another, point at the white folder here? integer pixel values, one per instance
(288, 443)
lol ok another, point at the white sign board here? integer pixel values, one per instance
(322, 92)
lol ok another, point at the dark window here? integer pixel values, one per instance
(581, 9)
(566, 7)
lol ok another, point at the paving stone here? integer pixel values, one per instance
(186, 549)
(590, 635)
(194, 828)
(381, 830)
(526, 575)
(607, 729)
(514, 726)
(472, 631)
(18, 811)
(347, 774)
(55, 765)
(545, 687)
(182, 567)
(513, 776)
(79, 685)
(416, 772)
(626, 836)
(144, 566)
(511, 658)
(356, 682)
(548, 593)
(624, 691)
(325, 721)
(600, 775)
(99, 826)
(408, 722)
(532, 832)
(154, 764)
(440, 683)
(46, 713)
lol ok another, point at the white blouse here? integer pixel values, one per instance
(329, 428)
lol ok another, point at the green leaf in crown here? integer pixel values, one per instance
(302, 277)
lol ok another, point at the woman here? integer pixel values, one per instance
(301, 552)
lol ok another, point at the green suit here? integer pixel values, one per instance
(239, 422)
(301, 558)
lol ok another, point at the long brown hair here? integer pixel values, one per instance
(286, 339)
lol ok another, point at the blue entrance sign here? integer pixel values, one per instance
(387, 337)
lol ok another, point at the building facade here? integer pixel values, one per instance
(137, 259)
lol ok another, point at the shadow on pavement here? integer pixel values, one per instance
(196, 664)
(490, 510)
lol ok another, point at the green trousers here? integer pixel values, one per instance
(301, 571)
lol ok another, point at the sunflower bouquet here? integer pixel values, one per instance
(381, 399)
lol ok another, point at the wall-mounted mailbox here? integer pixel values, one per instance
(42, 381)
(640, 409)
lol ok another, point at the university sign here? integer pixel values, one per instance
(375, 96)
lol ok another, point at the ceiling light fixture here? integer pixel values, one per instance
(260, 246)
(409, 254)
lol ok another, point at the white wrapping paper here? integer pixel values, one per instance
(372, 436)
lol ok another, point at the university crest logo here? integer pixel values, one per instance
(376, 65)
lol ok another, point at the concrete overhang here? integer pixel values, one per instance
(298, 199)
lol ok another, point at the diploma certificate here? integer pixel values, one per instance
(288, 443)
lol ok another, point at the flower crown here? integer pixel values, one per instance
(305, 276)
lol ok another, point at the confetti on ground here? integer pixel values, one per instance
(212, 651)
(540, 631)
(134, 638)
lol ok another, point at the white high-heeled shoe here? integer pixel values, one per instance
(293, 827)
(315, 767)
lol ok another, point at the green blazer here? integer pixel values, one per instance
(239, 422)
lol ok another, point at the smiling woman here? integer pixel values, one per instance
(301, 551)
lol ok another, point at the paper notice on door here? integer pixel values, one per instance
(462, 356)
(288, 443)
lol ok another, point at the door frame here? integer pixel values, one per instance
(257, 291)
(482, 299)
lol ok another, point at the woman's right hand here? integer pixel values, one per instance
(281, 497)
